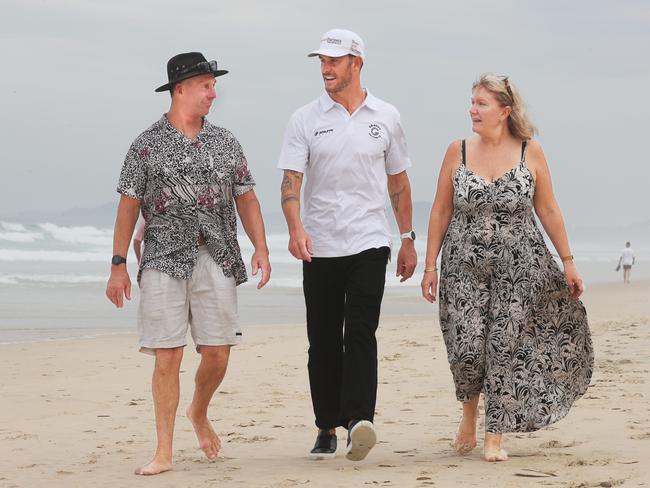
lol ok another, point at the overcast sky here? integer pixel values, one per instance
(78, 78)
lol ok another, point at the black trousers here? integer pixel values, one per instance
(343, 299)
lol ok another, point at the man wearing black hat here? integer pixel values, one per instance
(189, 179)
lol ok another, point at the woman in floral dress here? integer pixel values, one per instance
(513, 326)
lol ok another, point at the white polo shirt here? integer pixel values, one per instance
(345, 159)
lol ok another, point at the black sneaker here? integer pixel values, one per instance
(361, 438)
(325, 447)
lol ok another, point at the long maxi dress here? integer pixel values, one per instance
(510, 327)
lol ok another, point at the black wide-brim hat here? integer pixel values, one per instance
(188, 65)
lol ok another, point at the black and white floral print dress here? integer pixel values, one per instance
(510, 327)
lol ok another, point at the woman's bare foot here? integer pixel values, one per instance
(154, 467)
(208, 439)
(465, 441)
(492, 451)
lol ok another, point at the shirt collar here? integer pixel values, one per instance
(326, 103)
(370, 101)
(166, 124)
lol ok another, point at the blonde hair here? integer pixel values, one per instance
(508, 95)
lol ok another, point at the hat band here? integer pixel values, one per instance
(202, 67)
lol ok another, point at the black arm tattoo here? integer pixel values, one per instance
(287, 179)
(394, 200)
(287, 198)
(286, 183)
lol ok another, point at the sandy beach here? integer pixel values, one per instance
(79, 412)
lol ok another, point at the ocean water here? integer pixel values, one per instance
(52, 281)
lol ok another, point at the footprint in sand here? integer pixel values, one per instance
(589, 462)
(413, 344)
(409, 452)
(394, 357)
(525, 454)
(23, 437)
(291, 482)
(533, 473)
(559, 444)
(589, 484)
(641, 437)
(250, 423)
(251, 440)
(92, 459)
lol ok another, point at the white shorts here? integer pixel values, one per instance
(207, 303)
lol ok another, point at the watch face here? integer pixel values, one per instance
(412, 235)
(118, 260)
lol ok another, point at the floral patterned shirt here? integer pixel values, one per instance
(186, 189)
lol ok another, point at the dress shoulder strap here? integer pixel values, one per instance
(462, 152)
(523, 151)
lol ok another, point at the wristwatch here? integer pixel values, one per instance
(408, 235)
(117, 260)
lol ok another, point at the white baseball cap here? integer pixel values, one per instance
(340, 42)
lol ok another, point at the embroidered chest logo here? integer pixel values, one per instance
(374, 131)
(322, 131)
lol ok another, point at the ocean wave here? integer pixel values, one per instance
(21, 237)
(79, 235)
(42, 255)
(16, 279)
(12, 232)
(12, 226)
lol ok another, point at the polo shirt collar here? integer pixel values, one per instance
(326, 103)
(370, 101)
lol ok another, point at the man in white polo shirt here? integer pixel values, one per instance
(351, 148)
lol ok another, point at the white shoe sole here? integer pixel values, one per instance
(321, 456)
(362, 439)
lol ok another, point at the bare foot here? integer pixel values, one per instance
(154, 467)
(208, 439)
(465, 440)
(492, 451)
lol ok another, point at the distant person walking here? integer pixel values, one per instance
(627, 261)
